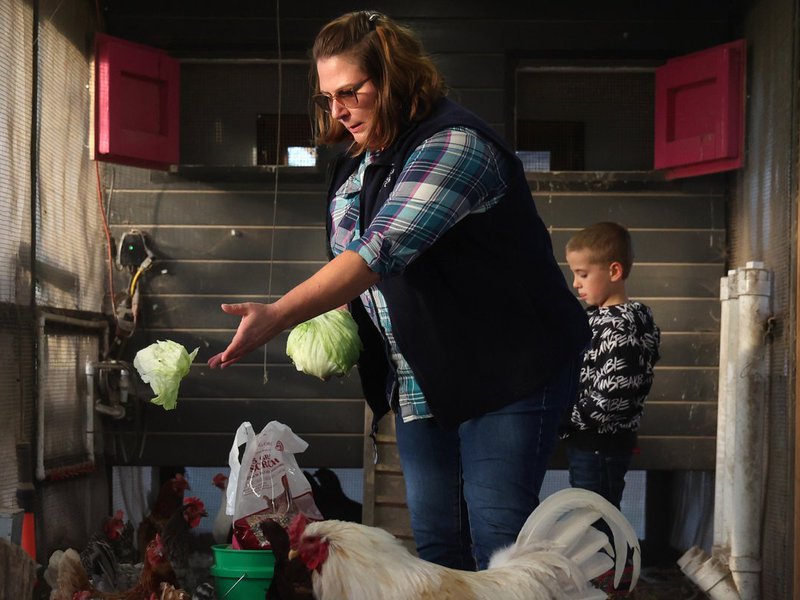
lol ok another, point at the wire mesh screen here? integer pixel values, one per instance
(290, 144)
(62, 396)
(587, 119)
(69, 249)
(230, 110)
(16, 31)
(16, 346)
(562, 141)
(16, 404)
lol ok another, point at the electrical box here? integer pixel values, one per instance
(136, 104)
(699, 112)
(133, 250)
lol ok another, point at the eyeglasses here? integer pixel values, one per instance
(348, 97)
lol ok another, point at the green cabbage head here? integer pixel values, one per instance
(163, 365)
(325, 345)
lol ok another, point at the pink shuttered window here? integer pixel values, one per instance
(699, 112)
(136, 104)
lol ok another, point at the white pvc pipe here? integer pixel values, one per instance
(715, 580)
(731, 372)
(721, 482)
(741, 433)
(709, 574)
(752, 364)
(692, 559)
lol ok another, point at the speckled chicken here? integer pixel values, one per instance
(69, 580)
(177, 539)
(110, 555)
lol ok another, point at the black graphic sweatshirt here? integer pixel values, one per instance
(616, 376)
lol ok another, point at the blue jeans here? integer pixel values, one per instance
(599, 472)
(469, 490)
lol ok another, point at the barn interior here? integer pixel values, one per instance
(105, 254)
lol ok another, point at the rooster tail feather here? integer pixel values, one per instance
(565, 517)
(596, 565)
(590, 594)
(98, 559)
(592, 542)
(569, 533)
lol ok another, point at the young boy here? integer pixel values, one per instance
(617, 370)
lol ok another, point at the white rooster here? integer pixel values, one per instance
(556, 555)
(220, 531)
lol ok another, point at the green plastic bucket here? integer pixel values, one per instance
(241, 574)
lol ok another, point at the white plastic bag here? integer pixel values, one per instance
(267, 483)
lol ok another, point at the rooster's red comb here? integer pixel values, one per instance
(296, 529)
(194, 501)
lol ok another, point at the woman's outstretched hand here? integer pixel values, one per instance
(255, 329)
(336, 283)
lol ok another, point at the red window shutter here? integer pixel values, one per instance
(699, 112)
(136, 104)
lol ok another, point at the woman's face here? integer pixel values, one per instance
(338, 77)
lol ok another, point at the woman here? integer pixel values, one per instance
(471, 335)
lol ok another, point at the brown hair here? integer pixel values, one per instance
(407, 80)
(608, 242)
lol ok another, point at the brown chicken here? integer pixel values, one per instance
(169, 500)
(157, 570)
(169, 592)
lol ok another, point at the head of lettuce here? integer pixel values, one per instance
(163, 365)
(326, 345)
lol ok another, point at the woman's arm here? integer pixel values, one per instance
(335, 284)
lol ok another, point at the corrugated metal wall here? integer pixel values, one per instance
(762, 226)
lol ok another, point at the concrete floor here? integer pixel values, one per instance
(665, 583)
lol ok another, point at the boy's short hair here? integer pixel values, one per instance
(608, 242)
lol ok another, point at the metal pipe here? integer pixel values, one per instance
(115, 408)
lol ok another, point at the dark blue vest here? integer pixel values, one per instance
(484, 316)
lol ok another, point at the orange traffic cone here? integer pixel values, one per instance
(26, 497)
(28, 541)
